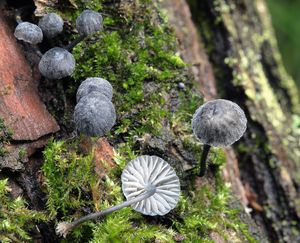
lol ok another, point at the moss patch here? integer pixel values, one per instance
(16, 220)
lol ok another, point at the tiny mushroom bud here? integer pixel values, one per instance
(94, 115)
(57, 63)
(149, 184)
(51, 25)
(94, 85)
(218, 123)
(29, 32)
(89, 22)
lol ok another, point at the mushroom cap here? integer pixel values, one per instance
(219, 123)
(57, 63)
(94, 85)
(145, 172)
(89, 22)
(51, 24)
(94, 115)
(29, 32)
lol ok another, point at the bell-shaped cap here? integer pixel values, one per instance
(51, 24)
(29, 32)
(219, 123)
(94, 115)
(146, 172)
(89, 22)
(94, 85)
(57, 63)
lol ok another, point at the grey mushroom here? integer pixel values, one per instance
(51, 25)
(218, 123)
(150, 186)
(89, 22)
(57, 63)
(29, 32)
(94, 115)
(94, 85)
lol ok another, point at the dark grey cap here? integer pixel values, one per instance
(29, 32)
(94, 115)
(57, 63)
(219, 123)
(89, 22)
(94, 85)
(51, 24)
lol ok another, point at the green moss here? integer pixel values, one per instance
(16, 220)
(69, 178)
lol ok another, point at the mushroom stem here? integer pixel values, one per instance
(203, 159)
(64, 228)
(75, 42)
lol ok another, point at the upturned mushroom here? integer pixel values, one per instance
(57, 63)
(51, 25)
(150, 186)
(94, 115)
(29, 32)
(218, 123)
(94, 85)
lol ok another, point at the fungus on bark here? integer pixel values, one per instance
(57, 63)
(94, 85)
(29, 32)
(218, 123)
(51, 25)
(94, 115)
(149, 184)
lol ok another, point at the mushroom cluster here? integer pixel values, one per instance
(218, 123)
(150, 186)
(58, 62)
(94, 113)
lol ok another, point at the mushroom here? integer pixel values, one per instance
(218, 123)
(51, 25)
(94, 85)
(87, 23)
(149, 184)
(57, 63)
(29, 32)
(94, 115)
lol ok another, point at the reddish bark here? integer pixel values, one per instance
(20, 104)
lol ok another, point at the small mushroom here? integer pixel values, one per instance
(89, 22)
(149, 184)
(94, 85)
(57, 63)
(218, 123)
(94, 115)
(51, 25)
(151, 172)
(29, 32)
